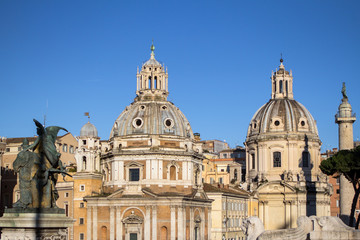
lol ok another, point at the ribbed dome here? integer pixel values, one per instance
(152, 117)
(88, 130)
(282, 115)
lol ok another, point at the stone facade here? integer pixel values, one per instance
(230, 207)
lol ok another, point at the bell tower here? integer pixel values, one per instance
(282, 83)
(345, 118)
(152, 80)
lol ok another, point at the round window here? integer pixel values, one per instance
(168, 123)
(142, 107)
(277, 123)
(138, 122)
(302, 123)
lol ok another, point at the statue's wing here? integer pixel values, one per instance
(53, 131)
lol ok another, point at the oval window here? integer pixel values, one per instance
(277, 123)
(302, 123)
(138, 122)
(168, 123)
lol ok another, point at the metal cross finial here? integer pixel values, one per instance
(281, 58)
(152, 48)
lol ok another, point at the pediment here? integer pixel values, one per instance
(275, 187)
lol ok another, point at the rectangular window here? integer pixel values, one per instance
(337, 203)
(65, 148)
(277, 159)
(66, 194)
(134, 174)
(66, 209)
(337, 180)
(81, 221)
(82, 236)
(337, 191)
(211, 180)
(82, 205)
(203, 167)
(7, 150)
(71, 149)
(84, 142)
(82, 188)
(221, 180)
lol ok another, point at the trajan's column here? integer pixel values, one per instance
(345, 118)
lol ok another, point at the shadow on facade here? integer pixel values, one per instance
(306, 165)
(8, 183)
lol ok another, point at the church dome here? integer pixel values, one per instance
(152, 117)
(88, 130)
(282, 114)
(151, 113)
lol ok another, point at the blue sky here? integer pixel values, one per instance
(64, 58)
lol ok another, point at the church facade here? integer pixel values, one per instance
(283, 157)
(145, 181)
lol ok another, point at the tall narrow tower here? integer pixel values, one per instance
(345, 118)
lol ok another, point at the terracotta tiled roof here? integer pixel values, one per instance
(227, 189)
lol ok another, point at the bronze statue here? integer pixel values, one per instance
(343, 91)
(38, 165)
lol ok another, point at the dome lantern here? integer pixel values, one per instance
(152, 80)
(282, 83)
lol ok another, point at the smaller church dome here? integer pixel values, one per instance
(88, 130)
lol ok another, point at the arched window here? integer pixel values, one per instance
(305, 159)
(84, 163)
(277, 159)
(163, 233)
(235, 174)
(286, 87)
(172, 173)
(65, 147)
(103, 233)
(155, 83)
(149, 81)
(281, 86)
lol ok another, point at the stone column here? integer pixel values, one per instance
(118, 224)
(345, 119)
(154, 223)
(209, 223)
(191, 223)
(202, 229)
(88, 223)
(184, 222)
(112, 222)
(147, 222)
(180, 223)
(95, 230)
(173, 223)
